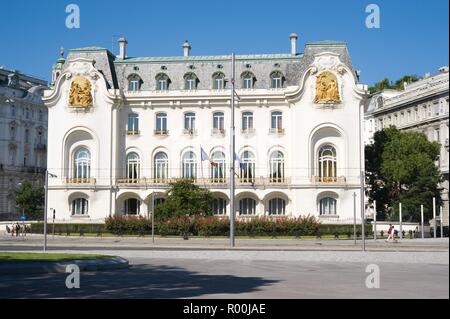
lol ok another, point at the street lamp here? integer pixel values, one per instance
(47, 174)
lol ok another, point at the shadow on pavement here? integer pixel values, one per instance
(139, 281)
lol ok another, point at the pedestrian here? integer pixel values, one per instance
(17, 229)
(390, 233)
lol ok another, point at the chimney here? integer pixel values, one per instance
(186, 48)
(122, 48)
(293, 38)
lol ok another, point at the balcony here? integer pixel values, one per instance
(40, 147)
(276, 131)
(78, 181)
(133, 132)
(248, 131)
(190, 132)
(131, 181)
(218, 132)
(161, 132)
(320, 180)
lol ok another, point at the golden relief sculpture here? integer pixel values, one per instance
(327, 90)
(80, 93)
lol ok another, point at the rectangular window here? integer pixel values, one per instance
(161, 122)
(436, 108)
(437, 135)
(133, 123)
(218, 121)
(27, 136)
(247, 121)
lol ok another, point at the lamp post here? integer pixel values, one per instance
(232, 147)
(47, 174)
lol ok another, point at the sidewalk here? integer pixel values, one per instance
(123, 243)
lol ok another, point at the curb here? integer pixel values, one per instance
(60, 267)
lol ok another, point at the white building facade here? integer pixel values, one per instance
(122, 128)
(422, 106)
(23, 136)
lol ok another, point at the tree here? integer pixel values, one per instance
(184, 198)
(30, 200)
(400, 167)
(398, 85)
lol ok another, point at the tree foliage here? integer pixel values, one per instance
(184, 198)
(401, 168)
(30, 200)
(397, 85)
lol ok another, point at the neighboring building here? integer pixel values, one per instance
(23, 136)
(121, 128)
(423, 106)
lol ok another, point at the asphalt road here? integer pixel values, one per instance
(238, 275)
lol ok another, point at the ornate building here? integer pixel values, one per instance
(23, 136)
(121, 128)
(423, 106)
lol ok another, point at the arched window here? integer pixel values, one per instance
(276, 80)
(161, 167)
(162, 82)
(328, 206)
(80, 206)
(247, 121)
(218, 167)
(131, 206)
(277, 206)
(276, 167)
(134, 83)
(218, 122)
(189, 122)
(82, 165)
(247, 171)
(248, 80)
(327, 164)
(189, 167)
(161, 123)
(219, 206)
(247, 206)
(133, 123)
(218, 80)
(133, 167)
(190, 81)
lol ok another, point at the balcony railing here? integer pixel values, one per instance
(276, 131)
(76, 180)
(190, 132)
(218, 131)
(161, 132)
(40, 147)
(248, 131)
(133, 132)
(328, 180)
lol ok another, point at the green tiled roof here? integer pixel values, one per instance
(208, 58)
(89, 49)
(326, 42)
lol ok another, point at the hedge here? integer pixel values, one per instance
(208, 226)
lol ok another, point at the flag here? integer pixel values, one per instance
(237, 158)
(204, 157)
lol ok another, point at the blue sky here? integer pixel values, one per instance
(413, 38)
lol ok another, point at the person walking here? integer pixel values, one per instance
(390, 233)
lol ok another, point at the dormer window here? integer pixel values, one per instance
(134, 83)
(248, 80)
(162, 82)
(190, 81)
(218, 81)
(276, 80)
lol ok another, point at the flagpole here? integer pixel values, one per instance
(232, 151)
